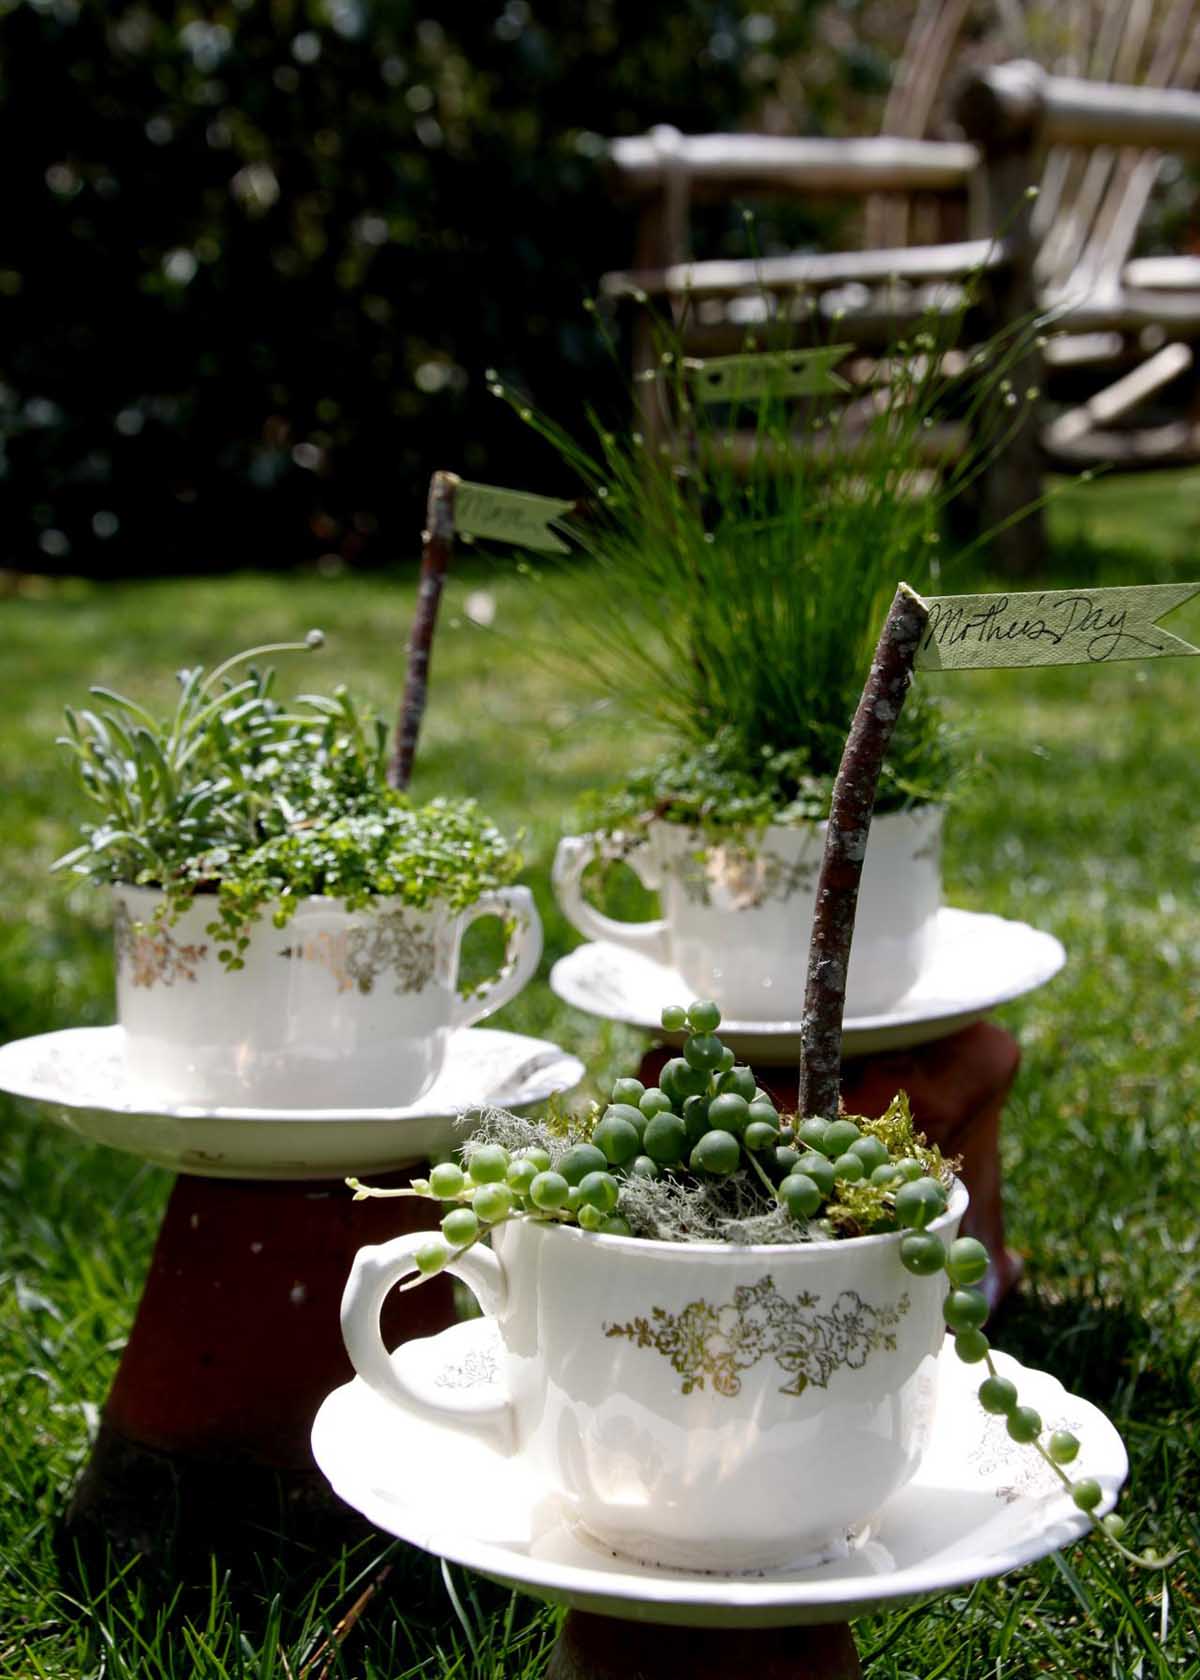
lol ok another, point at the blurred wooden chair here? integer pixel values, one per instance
(1091, 148)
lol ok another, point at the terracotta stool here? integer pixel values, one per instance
(957, 1087)
(601, 1648)
(204, 1437)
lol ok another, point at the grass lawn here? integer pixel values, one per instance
(1083, 821)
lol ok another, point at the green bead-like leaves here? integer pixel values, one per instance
(581, 1159)
(665, 1139)
(922, 1254)
(997, 1395)
(966, 1261)
(718, 1154)
(800, 1196)
(918, 1204)
(965, 1309)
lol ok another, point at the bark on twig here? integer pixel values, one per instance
(437, 545)
(845, 847)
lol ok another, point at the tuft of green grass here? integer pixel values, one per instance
(1086, 825)
(739, 573)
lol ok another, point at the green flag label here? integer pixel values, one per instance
(1052, 627)
(781, 373)
(485, 510)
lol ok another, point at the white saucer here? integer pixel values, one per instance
(980, 1504)
(978, 961)
(79, 1076)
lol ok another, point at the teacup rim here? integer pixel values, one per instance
(321, 901)
(955, 1208)
(923, 808)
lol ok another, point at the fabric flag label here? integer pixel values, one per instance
(1052, 627)
(783, 373)
(485, 510)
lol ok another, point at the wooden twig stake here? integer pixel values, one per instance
(845, 847)
(437, 541)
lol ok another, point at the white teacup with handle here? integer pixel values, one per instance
(695, 1405)
(737, 916)
(338, 1009)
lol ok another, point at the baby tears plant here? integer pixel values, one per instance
(258, 802)
(706, 1155)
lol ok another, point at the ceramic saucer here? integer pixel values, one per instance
(79, 1077)
(977, 962)
(980, 1504)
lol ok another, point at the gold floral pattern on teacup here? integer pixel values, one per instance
(718, 1343)
(150, 952)
(357, 956)
(736, 878)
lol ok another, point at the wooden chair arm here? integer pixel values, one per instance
(730, 278)
(1010, 102)
(1165, 274)
(722, 165)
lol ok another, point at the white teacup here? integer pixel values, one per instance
(694, 1405)
(339, 1009)
(737, 917)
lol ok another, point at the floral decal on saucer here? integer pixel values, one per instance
(477, 1369)
(1012, 1473)
(717, 1343)
(151, 953)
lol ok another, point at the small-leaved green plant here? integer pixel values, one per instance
(261, 803)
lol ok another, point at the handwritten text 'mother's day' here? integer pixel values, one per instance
(1096, 631)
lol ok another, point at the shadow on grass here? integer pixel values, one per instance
(359, 1606)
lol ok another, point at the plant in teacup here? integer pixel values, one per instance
(287, 924)
(736, 590)
(731, 602)
(719, 1325)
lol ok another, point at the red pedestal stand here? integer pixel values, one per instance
(958, 1087)
(204, 1438)
(602, 1648)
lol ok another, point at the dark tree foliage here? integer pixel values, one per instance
(256, 257)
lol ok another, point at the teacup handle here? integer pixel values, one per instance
(572, 858)
(522, 952)
(375, 1272)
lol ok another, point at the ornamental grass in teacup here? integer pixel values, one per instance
(287, 925)
(732, 592)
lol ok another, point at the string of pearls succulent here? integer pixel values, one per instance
(708, 1119)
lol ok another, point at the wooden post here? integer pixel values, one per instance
(1002, 112)
(601, 1648)
(437, 542)
(845, 848)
